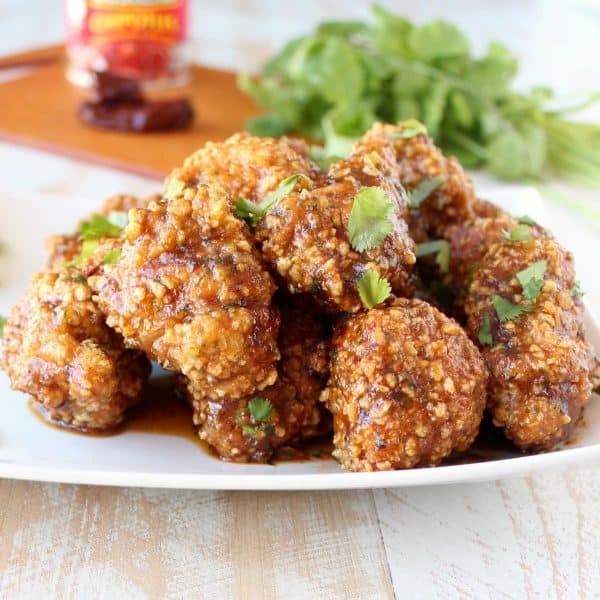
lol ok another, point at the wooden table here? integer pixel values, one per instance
(524, 538)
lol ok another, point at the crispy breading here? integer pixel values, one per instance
(246, 166)
(227, 425)
(58, 349)
(190, 291)
(540, 364)
(305, 236)
(407, 387)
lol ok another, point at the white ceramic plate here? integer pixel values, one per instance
(31, 450)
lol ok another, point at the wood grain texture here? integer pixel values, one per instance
(61, 541)
(522, 538)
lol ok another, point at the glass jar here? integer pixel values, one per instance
(139, 39)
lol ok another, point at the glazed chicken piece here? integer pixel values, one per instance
(540, 365)
(251, 428)
(67, 247)
(57, 349)
(407, 388)
(306, 240)
(304, 237)
(190, 291)
(418, 161)
(246, 166)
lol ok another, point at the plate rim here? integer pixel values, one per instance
(444, 475)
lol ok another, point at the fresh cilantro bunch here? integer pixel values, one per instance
(333, 84)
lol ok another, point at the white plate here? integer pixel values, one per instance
(31, 450)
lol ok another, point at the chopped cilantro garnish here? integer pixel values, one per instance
(532, 279)
(373, 289)
(253, 213)
(520, 233)
(370, 218)
(409, 128)
(576, 290)
(526, 220)
(2, 324)
(119, 218)
(506, 310)
(426, 187)
(99, 226)
(485, 336)
(112, 256)
(260, 409)
(174, 188)
(80, 278)
(88, 247)
(439, 247)
(323, 159)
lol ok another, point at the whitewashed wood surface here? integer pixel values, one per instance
(523, 538)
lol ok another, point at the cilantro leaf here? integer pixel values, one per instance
(119, 218)
(3, 320)
(112, 256)
(409, 128)
(250, 212)
(370, 218)
(532, 279)
(526, 220)
(520, 233)
(506, 310)
(334, 83)
(99, 226)
(373, 289)
(439, 247)
(251, 430)
(253, 213)
(436, 40)
(88, 247)
(485, 336)
(260, 409)
(426, 187)
(576, 290)
(174, 188)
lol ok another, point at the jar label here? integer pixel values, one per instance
(106, 21)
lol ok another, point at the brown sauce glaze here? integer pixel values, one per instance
(165, 412)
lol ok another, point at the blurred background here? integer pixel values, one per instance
(555, 41)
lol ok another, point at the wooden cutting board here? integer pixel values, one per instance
(39, 110)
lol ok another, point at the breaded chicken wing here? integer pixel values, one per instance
(407, 387)
(58, 350)
(417, 160)
(540, 365)
(250, 428)
(190, 291)
(246, 166)
(304, 237)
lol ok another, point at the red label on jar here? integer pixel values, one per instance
(136, 39)
(98, 22)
